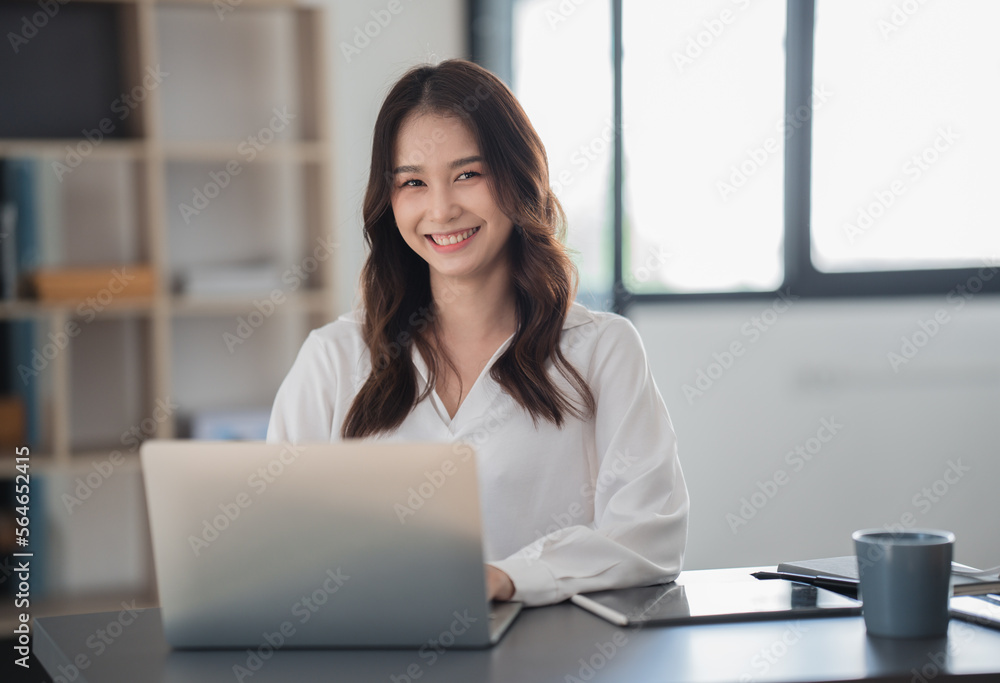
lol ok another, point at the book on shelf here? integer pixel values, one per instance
(7, 374)
(74, 284)
(236, 279)
(22, 374)
(846, 567)
(20, 378)
(19, 252)
(49, 215)
(8, 250)
(30, 223)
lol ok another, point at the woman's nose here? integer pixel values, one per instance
(444, 208)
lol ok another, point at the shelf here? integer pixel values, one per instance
(234, 3)
(79, 464)
(14, 310)
(154, 193)
(59, 149)
(315, 301)
(310, 301)
(244, 152)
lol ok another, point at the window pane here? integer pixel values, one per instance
(562, 76)
(904, 156)
(703, 102)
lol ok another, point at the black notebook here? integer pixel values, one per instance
(846, 567)
(672, 603)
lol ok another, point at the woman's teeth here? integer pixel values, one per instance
(445, 240)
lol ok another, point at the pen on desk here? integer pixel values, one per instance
(831, 582)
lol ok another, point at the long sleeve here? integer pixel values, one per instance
(640, 500)
(303, 407)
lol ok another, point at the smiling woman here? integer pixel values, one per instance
(469, 332)
(432, 201)
(454, 151)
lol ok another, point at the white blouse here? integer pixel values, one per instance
(593, 505)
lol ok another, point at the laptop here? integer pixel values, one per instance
(354, 544)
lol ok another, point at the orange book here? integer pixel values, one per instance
(73, 284)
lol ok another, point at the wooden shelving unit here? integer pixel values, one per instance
(277, 207)
(154, 155)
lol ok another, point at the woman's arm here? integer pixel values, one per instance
(640, 500)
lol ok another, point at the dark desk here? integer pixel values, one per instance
(557, 644)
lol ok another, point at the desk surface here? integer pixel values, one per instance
(559, 643)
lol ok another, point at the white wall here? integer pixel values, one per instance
(424, 31)
(829, 360)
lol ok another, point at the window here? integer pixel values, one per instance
(573, 115)
(905, 156)
(702, 103)
(833, 147)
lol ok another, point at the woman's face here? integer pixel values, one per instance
(442, 201)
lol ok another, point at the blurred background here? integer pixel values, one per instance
(793, 201)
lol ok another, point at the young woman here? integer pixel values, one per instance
(469, 332)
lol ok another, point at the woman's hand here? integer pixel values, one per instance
(498, 584)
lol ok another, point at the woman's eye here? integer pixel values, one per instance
(412, 182)
(468, 174)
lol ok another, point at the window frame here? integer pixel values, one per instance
(491, 45)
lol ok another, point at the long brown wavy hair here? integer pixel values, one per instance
(399, 311)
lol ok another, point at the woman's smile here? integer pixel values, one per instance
(452, 241)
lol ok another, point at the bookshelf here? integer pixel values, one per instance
(202, 146)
